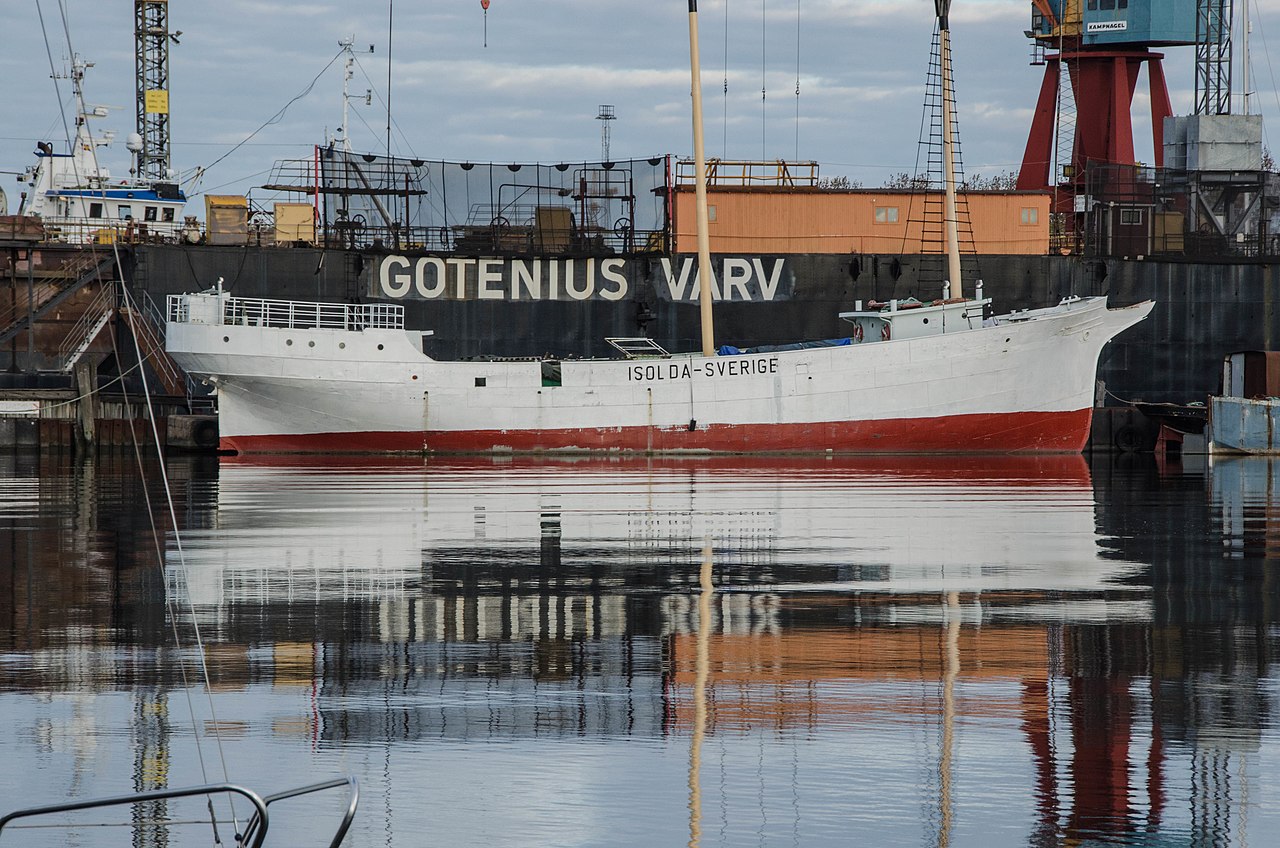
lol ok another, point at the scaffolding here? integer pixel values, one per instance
(365, 200)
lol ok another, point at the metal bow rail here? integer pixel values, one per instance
(255, 833)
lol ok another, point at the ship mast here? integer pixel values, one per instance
(705, 280)
(347, 96)
(955, 289)
(1244, 59)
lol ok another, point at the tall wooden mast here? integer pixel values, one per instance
(705, 280)
(951, 226)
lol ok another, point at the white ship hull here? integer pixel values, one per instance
(1024, 384)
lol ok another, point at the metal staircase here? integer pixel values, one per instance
(52, 289)
(95, 317)
(146, 324)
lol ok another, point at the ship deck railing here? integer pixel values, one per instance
(298, 314)
(743, 172)
(70, 230)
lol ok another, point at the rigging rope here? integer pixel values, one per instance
(53, 73)
(724, 122)
(115, 247)
(276, 117)
(1257, 16)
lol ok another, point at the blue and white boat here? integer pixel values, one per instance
(79, 201)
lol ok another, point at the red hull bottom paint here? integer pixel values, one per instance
(384, 442)
(1014, 432)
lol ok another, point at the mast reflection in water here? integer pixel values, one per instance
(907, 651)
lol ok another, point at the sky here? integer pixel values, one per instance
(533, 93)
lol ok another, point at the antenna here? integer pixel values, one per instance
(606, 116)
(390, 32)
(344, 135)
(1244, 56)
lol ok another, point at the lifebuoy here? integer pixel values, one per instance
(857, 334)
(884, 332)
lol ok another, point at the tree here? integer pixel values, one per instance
(838, 183)
(1006, 181)
(903, 180)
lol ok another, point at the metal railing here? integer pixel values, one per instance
(726, 172)
(259, 805)
(48, 286)
(147, 326)
(87, 327)
(297, 314)
(108, 230)
(255, 833)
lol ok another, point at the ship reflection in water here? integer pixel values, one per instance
(899, 651)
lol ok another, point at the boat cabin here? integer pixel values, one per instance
(913, 319)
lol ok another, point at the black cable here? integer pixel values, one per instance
(278, 115)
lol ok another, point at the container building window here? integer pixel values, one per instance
(1030, 216)
(886, 214)
(1131, 216)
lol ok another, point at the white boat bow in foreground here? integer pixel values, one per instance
(326, 377)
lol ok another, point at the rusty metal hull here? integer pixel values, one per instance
(1244, 425)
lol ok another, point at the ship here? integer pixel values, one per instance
(935, 378)
(912, 377)
(79, 201)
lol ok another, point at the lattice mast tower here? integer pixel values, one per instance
(151, 45)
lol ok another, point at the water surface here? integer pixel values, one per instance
(905, 651)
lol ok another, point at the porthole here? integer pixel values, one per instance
(379, 347)
(926, 320)
(226, 338)
(288, 341)
(342, 345)
(415, 376)
(311, 344)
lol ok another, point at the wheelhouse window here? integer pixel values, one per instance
(95, 210)
(166, 215)
(126, 212)
(886, 214)
(149, 213)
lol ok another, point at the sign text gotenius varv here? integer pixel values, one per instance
(579, 278)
